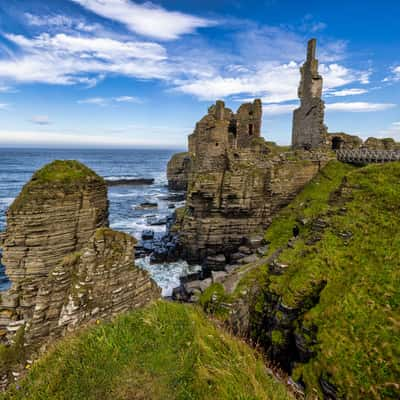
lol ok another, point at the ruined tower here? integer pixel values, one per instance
(309, 130)
(248, 123)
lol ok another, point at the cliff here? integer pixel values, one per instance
(66, 267)
(178, 170)
(237, 182)
(165, 351)
(324, 305)
(229, 208)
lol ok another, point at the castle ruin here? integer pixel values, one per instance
(309, 130)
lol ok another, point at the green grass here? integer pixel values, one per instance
(166, 351)
(68, 175)
(63, 171)
(357, 315)
(312, 201)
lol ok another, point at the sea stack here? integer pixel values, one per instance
(65, 265)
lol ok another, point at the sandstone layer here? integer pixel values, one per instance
(178, 170)
(66, 267)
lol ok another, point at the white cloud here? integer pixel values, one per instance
(273, 82)
(41, 120)
(147, 19)
(104, 101)
(127, 99)
(98, 101)
(66, 59)
(278, 109)
(395, 75)
(359, 106)
(7, 89)
(60, 22)
(4, 106)
(347, 92)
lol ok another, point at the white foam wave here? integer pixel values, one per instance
(167, 275)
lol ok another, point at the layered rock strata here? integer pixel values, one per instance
(65, 266)
(228, 208)
(98, 282)
(178, 170)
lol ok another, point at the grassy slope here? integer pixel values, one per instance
(358, 314)
(166, 351)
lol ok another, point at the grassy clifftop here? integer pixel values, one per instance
(166, 351)
(54, 178)
(330, 301)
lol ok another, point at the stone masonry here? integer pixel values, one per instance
(309, 130)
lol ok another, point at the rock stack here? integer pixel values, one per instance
(66, 267)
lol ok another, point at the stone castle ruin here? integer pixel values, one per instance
(236, 181)
(221, 130)
(309, 130)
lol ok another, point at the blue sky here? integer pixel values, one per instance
(124, 73)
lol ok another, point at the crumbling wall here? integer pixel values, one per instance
(309, 130)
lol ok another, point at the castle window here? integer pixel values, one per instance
(250, 129)
(216, 144)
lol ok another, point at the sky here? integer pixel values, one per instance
(128, 73)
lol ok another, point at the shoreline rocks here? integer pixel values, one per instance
(130, 182)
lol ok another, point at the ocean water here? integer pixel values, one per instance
(18, 165)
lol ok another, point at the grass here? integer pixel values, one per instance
(65, 174)
(356, 318)
(166, 351)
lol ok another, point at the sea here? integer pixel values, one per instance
(18, 165)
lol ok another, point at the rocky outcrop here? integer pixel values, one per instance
(226, 207)
(178, 170)
(309, 130)
(66, 267)
(98, 282)
(56, 213)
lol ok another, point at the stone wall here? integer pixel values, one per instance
(309, 130)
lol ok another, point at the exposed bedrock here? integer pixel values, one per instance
(178, 170)
(227, 208)
(66, 267)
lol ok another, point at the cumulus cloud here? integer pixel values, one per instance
(41, 120)
(273, 82)
(359, 106)
(147, 19)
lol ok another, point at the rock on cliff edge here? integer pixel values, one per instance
(66, 267)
